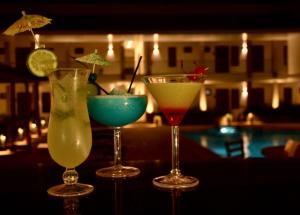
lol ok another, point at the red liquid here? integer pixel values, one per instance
(174, 116)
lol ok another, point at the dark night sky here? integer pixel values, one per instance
(163, 16)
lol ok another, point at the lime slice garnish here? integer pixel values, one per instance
(41, 62)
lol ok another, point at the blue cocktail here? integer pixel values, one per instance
(117, 111)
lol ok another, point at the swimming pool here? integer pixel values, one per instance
(255, 139)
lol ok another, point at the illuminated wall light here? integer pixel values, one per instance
(244, 49)
(244, 91)
(244, 36)
(155, 37)
(110, 37)
(110, 51)
(139, 89)
(244, 94)
(2, 140)
(129, 44)
(150, 107)
(33, 127)
(43, 122)
(155, 52)
(244, 44)
(37, 41)
(20, 133)
(275, 98)
(202, 99)
(250, 118)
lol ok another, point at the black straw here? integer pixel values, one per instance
(135, 71)
(101, 88)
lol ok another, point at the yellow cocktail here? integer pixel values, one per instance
(69, 131)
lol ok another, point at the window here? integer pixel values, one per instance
(79, 50)
(21, 57)
(222, 59)
(234, 55)
(222, 100)
(206, 49)
(287, 93)
(46, 102)
(257, 58)
(2, 51)
(24, 104)
(256, 98)
(172, 57)
(235, 98)
(187, 49)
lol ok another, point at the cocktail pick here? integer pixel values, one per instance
(92, 80)
(134, 74)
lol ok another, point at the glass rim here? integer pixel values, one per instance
(71, 69)
(118, 96)
(175, 75)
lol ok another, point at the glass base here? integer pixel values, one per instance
(174, 181)
(74, 190)
(118, 172)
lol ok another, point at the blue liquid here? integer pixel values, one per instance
(115, 110)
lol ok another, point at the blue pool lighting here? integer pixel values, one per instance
(228, 130)
(255, 139)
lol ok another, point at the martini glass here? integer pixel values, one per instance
(117, 111)
(174, 95)
(69, 131)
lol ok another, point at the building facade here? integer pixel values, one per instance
(245, 70)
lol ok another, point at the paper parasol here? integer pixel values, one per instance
(27, 23)
(93, 58)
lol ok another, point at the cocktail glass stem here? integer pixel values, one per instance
(70, 176)
(118, 170)
(175, 180)
(117, 147)
(175, 150)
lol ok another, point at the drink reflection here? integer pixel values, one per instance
(176, 198)
(71, 206)
(118, 196)
(175, 194)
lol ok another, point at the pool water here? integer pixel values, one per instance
(255, 139)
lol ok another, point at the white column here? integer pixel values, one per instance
(293, 53)
(139, 51)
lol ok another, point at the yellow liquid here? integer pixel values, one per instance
(174, 95)
(69, 131)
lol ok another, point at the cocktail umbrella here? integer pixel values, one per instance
(93, 58)
(27, 23)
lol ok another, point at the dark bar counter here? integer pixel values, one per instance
(257, 186)
(227, 186)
